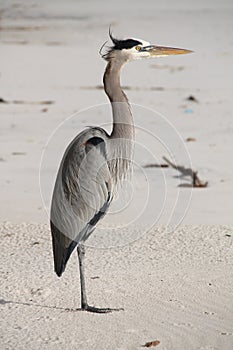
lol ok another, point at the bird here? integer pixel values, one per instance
(95, 163)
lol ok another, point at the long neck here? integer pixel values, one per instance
(122, 118)
(120, 146)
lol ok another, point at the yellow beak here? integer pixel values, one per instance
(159, 51)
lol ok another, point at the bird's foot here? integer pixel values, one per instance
(99, 310)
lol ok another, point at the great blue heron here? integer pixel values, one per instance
(95, 162)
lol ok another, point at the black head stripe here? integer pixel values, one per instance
(126, 44)
(123, 44)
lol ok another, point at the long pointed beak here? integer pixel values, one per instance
(159, 51)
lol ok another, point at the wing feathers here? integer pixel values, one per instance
(82, 194)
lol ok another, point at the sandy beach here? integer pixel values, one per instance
(176, 289)
(168, 247)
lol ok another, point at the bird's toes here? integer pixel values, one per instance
(99, 310)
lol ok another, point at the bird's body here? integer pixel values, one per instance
(94, 164)
(71, 210)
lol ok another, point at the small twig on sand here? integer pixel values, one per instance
(45, 102)
(151, 343)
(32, 102)
(196, 182)
(192, 98)
(2, 100)
(154, 165)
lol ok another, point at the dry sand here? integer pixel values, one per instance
(174, 287)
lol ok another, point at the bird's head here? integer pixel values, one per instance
(133, 49)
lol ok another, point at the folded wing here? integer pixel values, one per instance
(82, 194)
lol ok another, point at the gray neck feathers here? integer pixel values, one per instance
(122, 136)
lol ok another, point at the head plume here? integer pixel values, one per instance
(118, 45)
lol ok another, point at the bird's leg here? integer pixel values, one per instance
(84, 305)
(81, 255)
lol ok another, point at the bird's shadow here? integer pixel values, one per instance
(31, 304)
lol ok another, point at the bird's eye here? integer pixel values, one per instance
(138, 48)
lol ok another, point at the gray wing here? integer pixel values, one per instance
(82, 194)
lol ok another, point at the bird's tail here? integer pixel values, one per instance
(62, 249)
